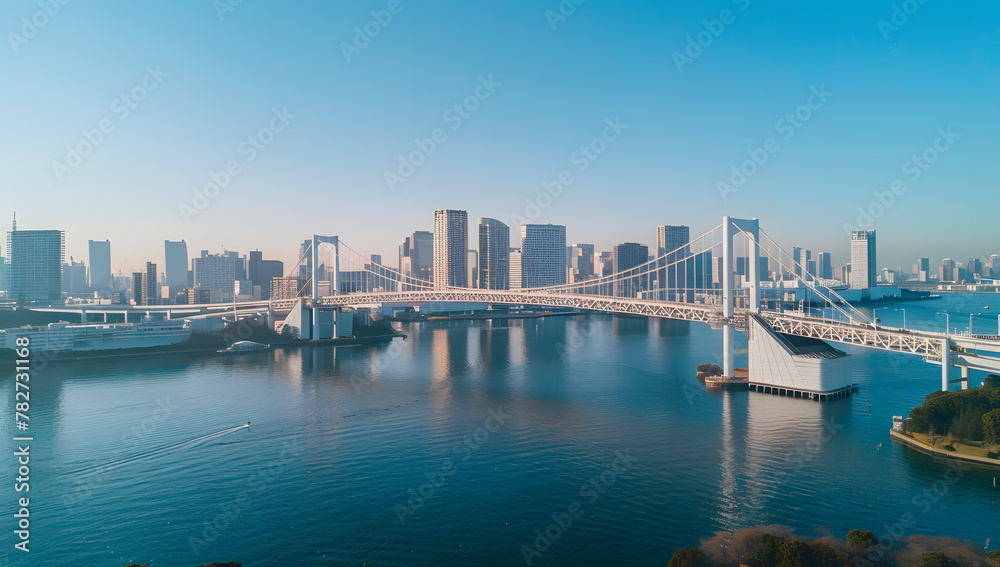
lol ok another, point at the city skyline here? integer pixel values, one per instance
(821, 257)
(908, 103)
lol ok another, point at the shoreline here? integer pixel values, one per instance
(935, 452)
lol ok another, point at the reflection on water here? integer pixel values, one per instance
(374, 420)
(629, 325)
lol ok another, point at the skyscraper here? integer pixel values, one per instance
(494, 254)
(139, 288)
(515, 269)
(99, 279)
(74, 277)
(150, 294)
(543, 255)
(451, 245)
(36, 258)
(671, 273)
(176, 262)
(625, 257)
(669, 238)
(217, 273)
(4, 276)
(261, 272)
(863, 268)
(422, 255)
(824, 266)
(922, 269)
(581, 262)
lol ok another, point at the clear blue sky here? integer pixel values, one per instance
(892, 89)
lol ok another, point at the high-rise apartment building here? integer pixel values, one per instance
(494, 254)
(515, 269)
(36, 259)
(543, 255)
(216, 272)
(864, 273)
(451, 246)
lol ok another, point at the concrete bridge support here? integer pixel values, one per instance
(730, 227)
(965, 377)
(945, 356)
(334, 285)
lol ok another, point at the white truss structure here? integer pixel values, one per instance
(670, 310)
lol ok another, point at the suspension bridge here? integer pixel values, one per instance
(715, 279)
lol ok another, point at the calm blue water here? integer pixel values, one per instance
(135, 461)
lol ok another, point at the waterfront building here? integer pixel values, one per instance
(36, 259)
(494, 254)
(543, 255)
(451, 246)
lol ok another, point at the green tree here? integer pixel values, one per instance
(763, 550)
(935, 559)
(791, 553)
(991, 427)
(688, 557)
(861, 542)
(992, 381)
(933, 395)
(823, 554)
(993, 558)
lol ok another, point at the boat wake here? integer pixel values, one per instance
(95, 469)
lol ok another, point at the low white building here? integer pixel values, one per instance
(795, 366)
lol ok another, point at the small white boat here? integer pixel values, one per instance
(242, 347)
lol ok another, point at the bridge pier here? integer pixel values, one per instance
(730, 227)
(945, 356)
(965, 377)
